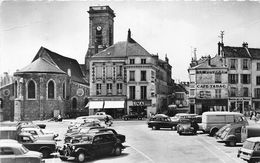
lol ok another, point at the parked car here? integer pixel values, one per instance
(99, 130)
(78, 133)
(250, 151)
(249, 131)
(161, 121)
(46, 147)
(132, 116)
(99, 115)
(231, 134)
(213, 121)
(11, 150)
(93, 145)
(179, 116)
(36, 132)
(220, 131)
(187, 126)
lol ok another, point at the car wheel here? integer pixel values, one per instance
(117, 151)
(180, 133)
(45, 153)
(213, 132)
(232, 143)
(63, 158)
(81, 157)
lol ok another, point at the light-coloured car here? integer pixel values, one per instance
(11, 151)
(36, 132)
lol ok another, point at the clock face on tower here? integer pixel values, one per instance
(99, 28)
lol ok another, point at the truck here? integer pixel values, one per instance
(46, 147)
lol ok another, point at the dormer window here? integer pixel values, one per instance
(132, 61)
(143, 61)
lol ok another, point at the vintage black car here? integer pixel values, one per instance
(92, 146)
(132, 116)
(161, 121)
(187, 126)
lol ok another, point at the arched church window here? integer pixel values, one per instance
(51, 90)
(31, 89)
(15, 89)
(64, 90)
(74, 103)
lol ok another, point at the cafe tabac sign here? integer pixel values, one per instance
(211, 86)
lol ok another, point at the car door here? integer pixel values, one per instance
(238, 134)
(98, 145)
(7, 155)
(28, 143)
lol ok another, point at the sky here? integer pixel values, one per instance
(172, 28)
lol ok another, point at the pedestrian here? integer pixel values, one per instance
(251, 114)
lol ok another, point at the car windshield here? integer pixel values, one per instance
(41, 132)
(249, 145)
(23, 149)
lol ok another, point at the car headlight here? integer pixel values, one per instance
(73, 147)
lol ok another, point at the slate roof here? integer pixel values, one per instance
(41, 65)
(62, 63)
(215, 62)
(255, 53)
(123, 49)
(238, 52)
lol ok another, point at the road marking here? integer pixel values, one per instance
(147, 157)
(220, 150)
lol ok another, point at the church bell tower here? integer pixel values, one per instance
(101, 31)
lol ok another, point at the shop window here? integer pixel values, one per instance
(31, 89)
(132, 75)
(50, 88)
(86, 100)
(245, 78)
(74, 103)
(132, 92)
(233, 78)
(143, 75)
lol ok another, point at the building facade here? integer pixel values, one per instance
(208, 86)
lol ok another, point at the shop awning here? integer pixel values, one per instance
(114, 104)
(95, 104)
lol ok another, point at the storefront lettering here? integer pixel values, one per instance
(138, 103)
(212, 72)
(212, 86)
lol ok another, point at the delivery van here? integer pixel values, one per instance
(249, 131)
(213, 121)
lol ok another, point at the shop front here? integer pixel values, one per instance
(139, 107)
(204, 105)
(256, 104)
(240, 104)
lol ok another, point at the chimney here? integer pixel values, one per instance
(69, 72)
(209, 60)
(166, 58)
(245, 44)
(129, 35)
(220, 47)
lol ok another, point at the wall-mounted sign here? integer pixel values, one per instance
(212, 72)
(211, 86)
(138, 103)
(204, 94)
(80, 92)
(142, 103)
